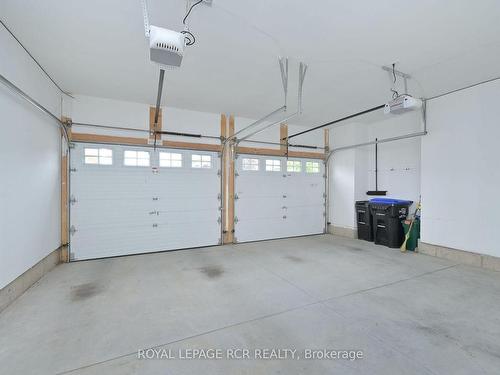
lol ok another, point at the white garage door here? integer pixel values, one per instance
(130, 200)
(278, 197)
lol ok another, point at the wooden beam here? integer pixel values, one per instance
(84, 137)
(67, 121)
(223, 168)
(159, 126)
(283, 136)
(193, 146)
(326, 134)
(229, 235)
(276, 152)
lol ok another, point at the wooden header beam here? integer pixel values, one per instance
(84, 137)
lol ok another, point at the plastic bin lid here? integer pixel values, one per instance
(391, 201)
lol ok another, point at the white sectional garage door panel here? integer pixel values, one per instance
(120, 210)
(278, 204)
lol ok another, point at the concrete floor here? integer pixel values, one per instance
(408, 313)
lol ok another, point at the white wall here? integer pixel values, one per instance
(353, 171)
(93, 110)
(30, 167)
(460, 170)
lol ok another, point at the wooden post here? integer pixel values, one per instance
(229, 238)
(159, 126)
(223, 168)
(326, 133)
(64, 255)
(283, 136)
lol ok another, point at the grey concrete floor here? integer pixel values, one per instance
(408, 313)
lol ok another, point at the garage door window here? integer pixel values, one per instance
(100, 156)
(170, 160)
(273, 165)
(312, 167)
(201, 161)
(250, 164)
(136, 158)
(293, 166)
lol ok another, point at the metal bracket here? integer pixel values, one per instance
(72, 199)
(71, 145)
(284, 75)
(72, 230)
(72, 169)
(236, 197)
(145, 16)
(219, 220)
(236, 219)
(219, 196)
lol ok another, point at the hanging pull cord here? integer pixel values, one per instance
(395, 93)
(189, 36)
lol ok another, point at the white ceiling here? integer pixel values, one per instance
(98, 48)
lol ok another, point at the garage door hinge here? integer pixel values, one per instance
(72, 230)
(236, 174)
(72, 169)
(284, 216)
(155, 198)
(155, 225)
(219, 220)
(219, 173)
(324, 176)
(236, 197)
(219, 196)
(72, 200)
(324, 195)
(236, 219)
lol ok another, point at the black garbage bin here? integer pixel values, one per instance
(386, 220)
(364, 220)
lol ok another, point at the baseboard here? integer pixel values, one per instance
(460, 256)
(12, 291)
(342, 231)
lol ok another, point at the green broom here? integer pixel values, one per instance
(407, 235)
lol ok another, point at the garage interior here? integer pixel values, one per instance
(310, 184)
